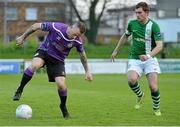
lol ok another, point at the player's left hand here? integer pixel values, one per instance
(114, 54)
(143, 57)
(89, 76)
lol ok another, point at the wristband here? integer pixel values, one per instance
(148, 55)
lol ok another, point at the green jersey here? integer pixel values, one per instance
(143, 37)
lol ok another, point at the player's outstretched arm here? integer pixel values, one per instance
(30, 30)
(88, 75)
(121, 41)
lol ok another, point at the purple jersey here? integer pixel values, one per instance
(57, 43)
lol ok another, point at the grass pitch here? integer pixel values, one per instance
(106, 101)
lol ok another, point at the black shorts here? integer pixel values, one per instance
(55, 68)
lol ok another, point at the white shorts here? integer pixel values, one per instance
(149, 66)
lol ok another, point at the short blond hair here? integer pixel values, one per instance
(82, 27)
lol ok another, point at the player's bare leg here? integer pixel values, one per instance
(152, 80)
(28, 74)
(132, 81)
(62, 91)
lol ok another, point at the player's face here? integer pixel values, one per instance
(141, 15)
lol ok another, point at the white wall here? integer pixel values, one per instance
(170, 28)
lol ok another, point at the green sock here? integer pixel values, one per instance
(136, 88)
(156, 99)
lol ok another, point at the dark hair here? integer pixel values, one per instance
(144, 6)
(81, 26)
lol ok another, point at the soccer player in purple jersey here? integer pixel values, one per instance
(52, 53)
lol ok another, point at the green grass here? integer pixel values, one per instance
(106, 101)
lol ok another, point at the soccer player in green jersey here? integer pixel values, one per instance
(146, 43)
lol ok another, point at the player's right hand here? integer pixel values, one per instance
(88, 76)
(20, 40)
(143, 57)
(114, 54)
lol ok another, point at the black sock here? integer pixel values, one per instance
(25, 79)
(63, 96)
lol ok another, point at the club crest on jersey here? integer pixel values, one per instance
(58, 38)
(69, 45)
(148, 32)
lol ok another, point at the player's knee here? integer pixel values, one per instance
(132, 80)
(153, 87)
(61, 84)
(33, 67)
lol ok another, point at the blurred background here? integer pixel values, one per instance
(106, 21)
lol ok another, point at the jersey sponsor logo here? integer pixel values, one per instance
(140, 39)
(58, 47)
(134, 30)
(61, 47)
